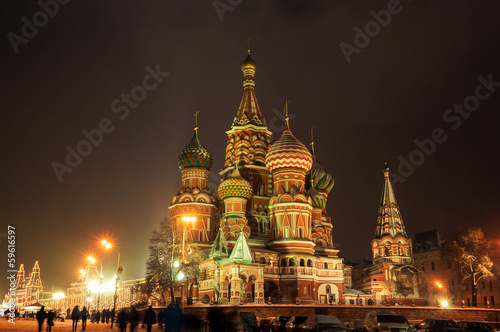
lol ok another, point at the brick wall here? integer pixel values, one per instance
(346, 313)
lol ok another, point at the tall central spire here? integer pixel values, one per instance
(249, 110)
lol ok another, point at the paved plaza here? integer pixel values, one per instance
(32, 325)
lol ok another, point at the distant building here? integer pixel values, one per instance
(29, 288)
(428, 258)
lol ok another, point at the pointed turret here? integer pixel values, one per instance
(249, 110)
(248, 139)
(241, 252)
(219, 247)
(20, 277)
(391, 241)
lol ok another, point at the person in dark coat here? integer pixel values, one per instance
(40, 317)
(108, 313)
(122, 320)
(173, 318)
(133, 318)
(85, 314)
(103, 316)
(149, 318)
(75, 316)
(160, 319)
(97, 317)
(50, 320)
(112, 316)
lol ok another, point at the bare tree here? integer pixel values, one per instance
(470, 253)
(164, 262)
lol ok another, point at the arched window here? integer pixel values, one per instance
(283, 262)
(468, 302)
(302, 263)
(328, 289)
(262, 260)
(291, 262)
(326, 266)
(433, 266)
(309, 263)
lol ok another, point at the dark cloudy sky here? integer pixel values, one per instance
(396, 89)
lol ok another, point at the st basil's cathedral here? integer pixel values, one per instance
(268, 236)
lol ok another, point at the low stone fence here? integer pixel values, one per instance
(347, 313)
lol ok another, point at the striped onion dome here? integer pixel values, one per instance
(235, 186)
(323, 179)
(195, 155)
(288, 152)
(318, 200)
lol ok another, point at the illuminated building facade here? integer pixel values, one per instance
(269, 235)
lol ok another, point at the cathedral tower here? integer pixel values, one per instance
(247, 144)
(194, 199)
(290, 209)
(391, 242)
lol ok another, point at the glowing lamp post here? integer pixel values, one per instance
(445, 301)
(181, 276)
(118, 270)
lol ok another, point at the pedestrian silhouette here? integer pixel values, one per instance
(40, 317)
(75, 316)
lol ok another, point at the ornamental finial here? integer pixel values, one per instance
(196, 121)
(312, 138)
(286, 112)
(248, 45)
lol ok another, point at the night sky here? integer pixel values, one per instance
(370, 98)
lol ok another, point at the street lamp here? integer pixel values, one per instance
(118, 270)
(445, 301)
(186, 220)
(93, 261)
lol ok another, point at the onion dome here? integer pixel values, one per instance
(288, 152)
(322, 179)
(318, 200)
(248, 63)
(235, 186)
(195, 155)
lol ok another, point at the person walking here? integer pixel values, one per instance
(149, 318)
(50, 320)
(40, 317)
(108, 313)
(97, 317)
(75, 316)
(84, 314)
(112, 316)
(122, 320)
(160, 319)
(133, 318)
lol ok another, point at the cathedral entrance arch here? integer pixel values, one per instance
(328, 293)
(271, 290)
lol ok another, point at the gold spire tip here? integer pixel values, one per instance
(196, 121)
(286, 112)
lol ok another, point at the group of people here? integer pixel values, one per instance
(41, 315)
(95, 317)
(172, 318)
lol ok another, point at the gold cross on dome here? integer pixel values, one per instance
(196, 121)
(312, 137)
(286, 111)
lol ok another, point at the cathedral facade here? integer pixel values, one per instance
(268, 236)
